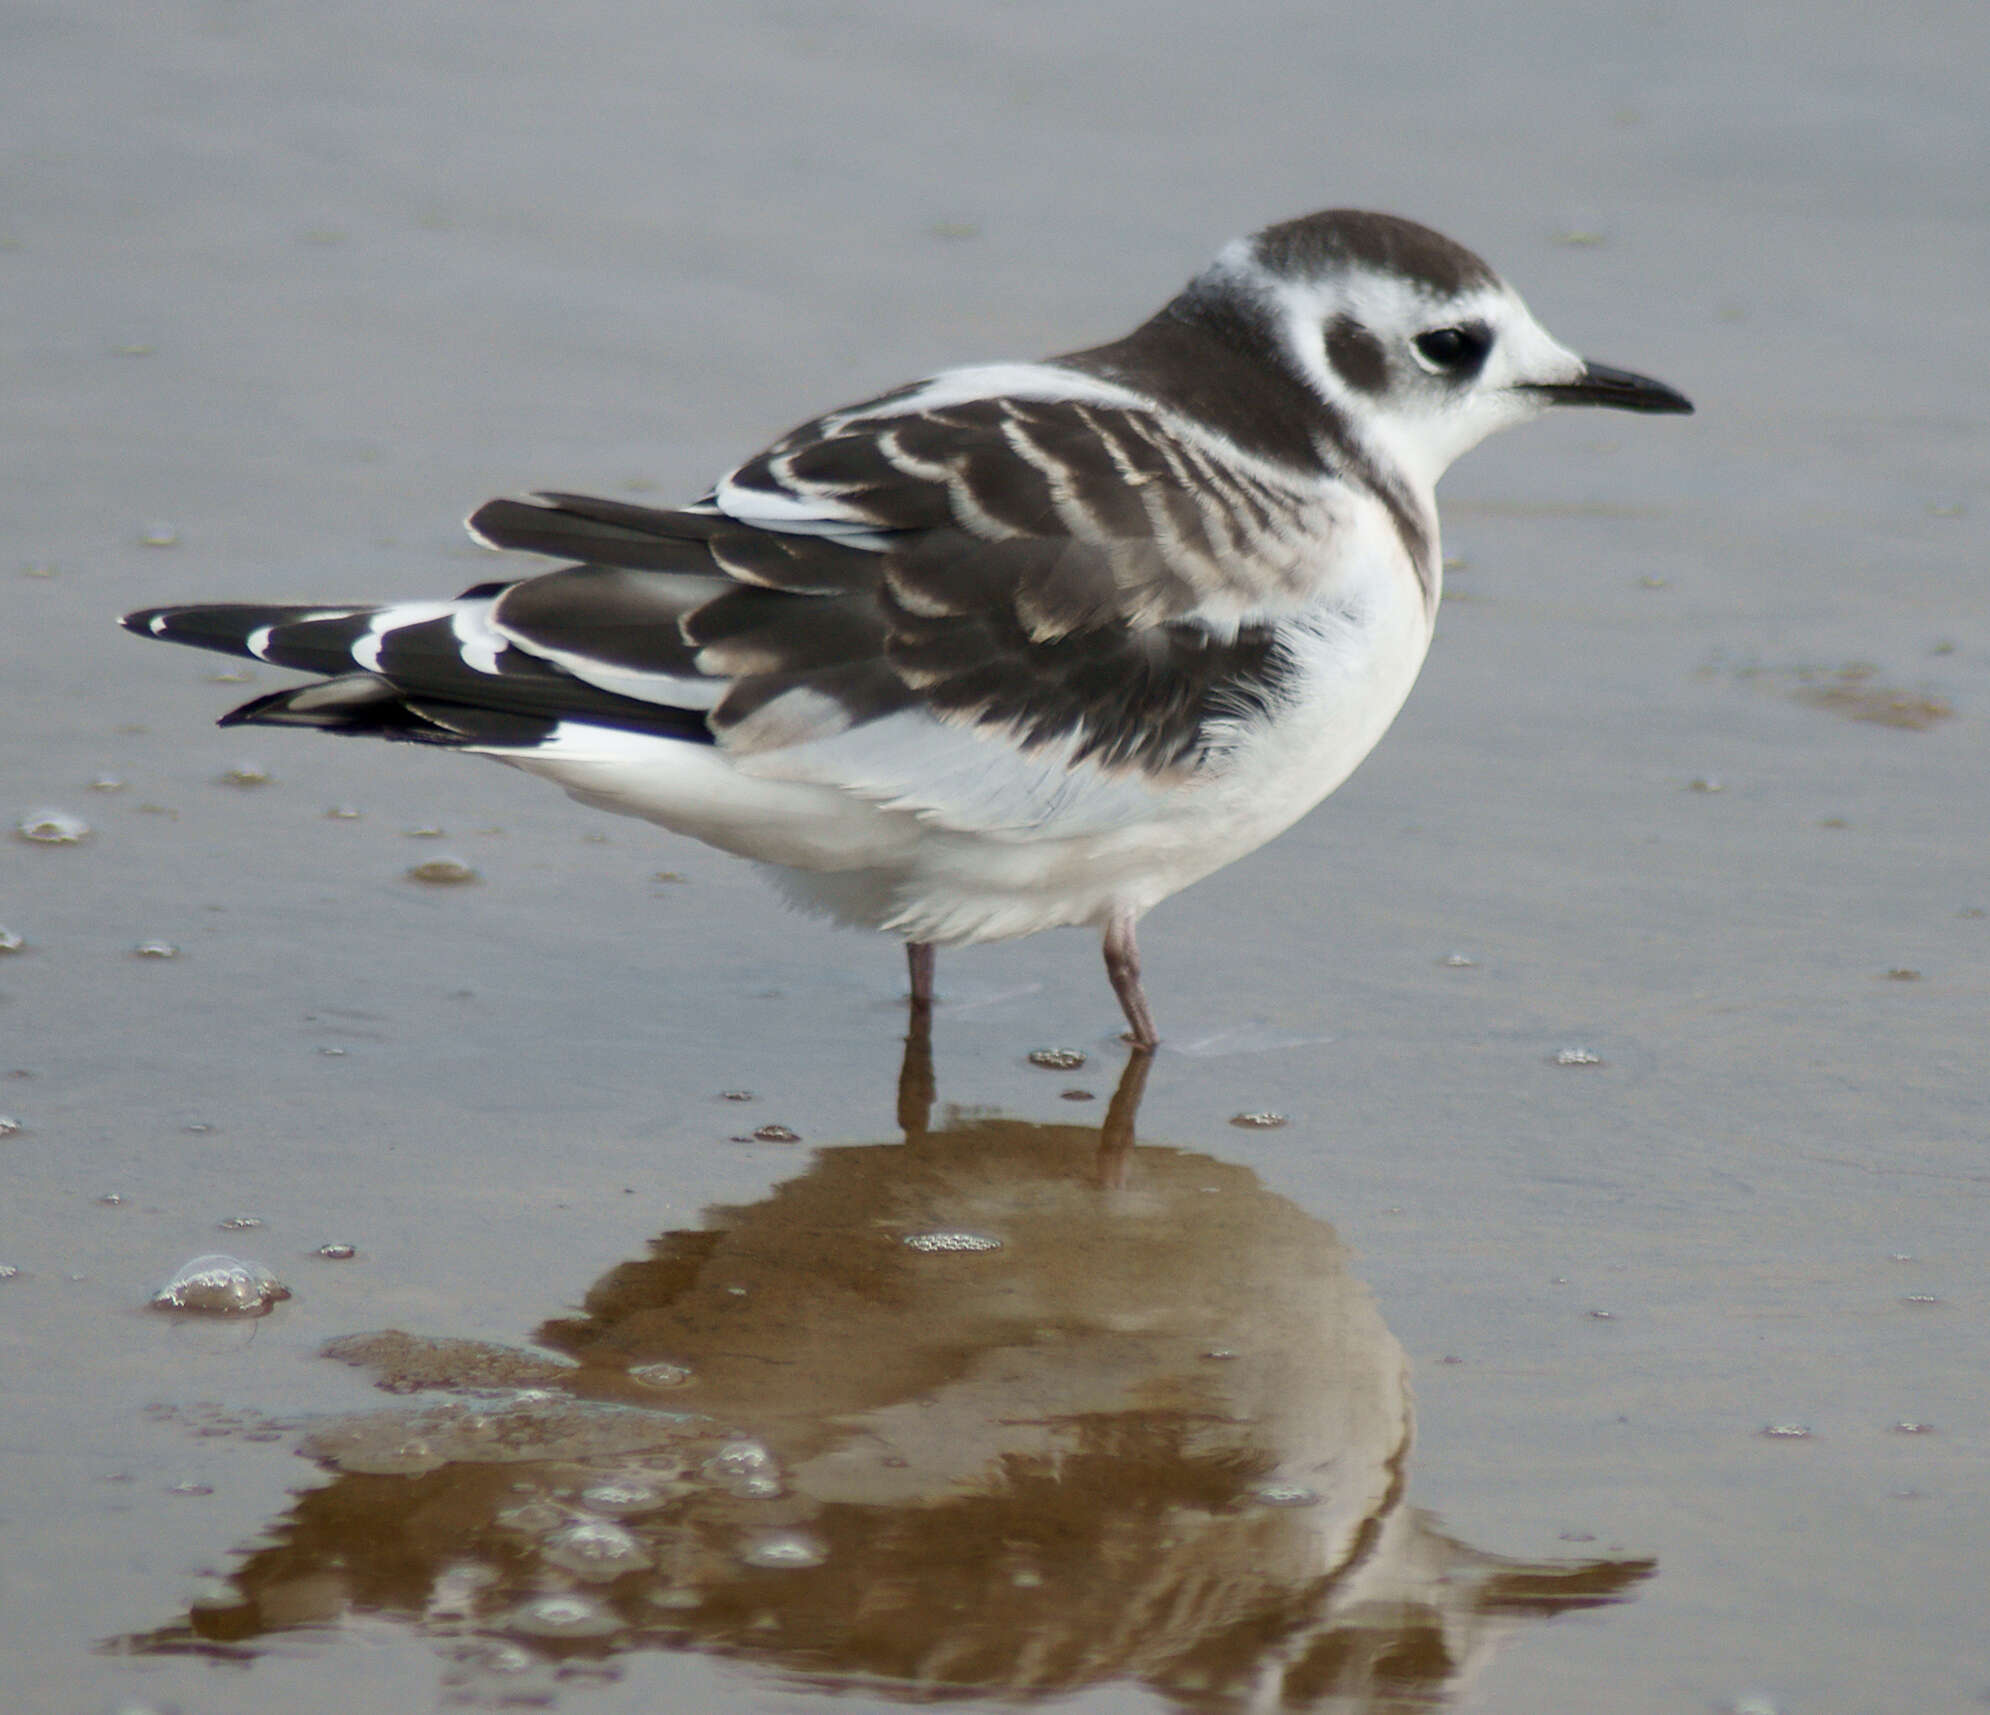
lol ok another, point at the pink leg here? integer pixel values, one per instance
(1123, 967)
(919, 962)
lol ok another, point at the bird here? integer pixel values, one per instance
(1018, 646)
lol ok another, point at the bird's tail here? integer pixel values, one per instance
(422, 672)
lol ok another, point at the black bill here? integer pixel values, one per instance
(1620, 389)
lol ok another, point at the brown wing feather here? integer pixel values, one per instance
(1037, 567)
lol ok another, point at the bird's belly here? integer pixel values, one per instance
(1352, 672)
(870, 865)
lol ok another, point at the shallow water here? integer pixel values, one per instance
(1626, 1011)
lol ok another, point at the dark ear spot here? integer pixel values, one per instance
(1356, 355)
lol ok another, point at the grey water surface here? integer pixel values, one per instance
(1602, 1331)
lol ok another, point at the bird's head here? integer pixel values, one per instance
(1414, 341)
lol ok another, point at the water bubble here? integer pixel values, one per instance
(563, 1616)
(1076, 1096)
(1906, 1426)
(1057, 1059)
(247, 774)
(1920, 1298)
(597, 1550)
(338, 1251)
(241, 1223)
(950, 1241)
(776, 1134)
(11, 940)
(1754, 1703)
(232, 676)
(106, 783)
(1786, 1432)
(342, 813)
(735, 1095)
(428, 831)
(534, 1518)
(1577, 1536)
(1603, 1315)
(10, 1126)
(9, 1272)
(1285, 1495)
(621, 1496)
(1458, 961)
(791, 1549)
(111, 1199)
(1902, 974)
(1577, 1057)
(660, 1375)
(155, 950)
(502, 1660)
(1220, 1354)
(1261, 1120)
(53, 828)
(190, 1489)
(444, 872)
(160, 535)
(1706, 783)
(453, 1594)
(746, 1468)
(218, 1285)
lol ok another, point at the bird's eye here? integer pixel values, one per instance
(1454, 351)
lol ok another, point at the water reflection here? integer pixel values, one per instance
(1146, 1427)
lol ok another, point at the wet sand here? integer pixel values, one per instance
(1693, 784)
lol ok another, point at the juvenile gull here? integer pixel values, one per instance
(1019, 646)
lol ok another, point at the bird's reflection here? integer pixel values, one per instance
(1001, 1409)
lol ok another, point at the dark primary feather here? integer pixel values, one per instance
(423, 688)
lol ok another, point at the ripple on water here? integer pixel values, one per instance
(217, 1285)
(525, 1429)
